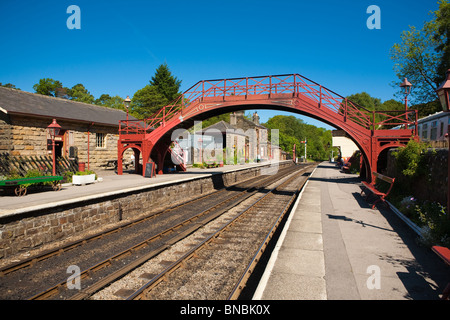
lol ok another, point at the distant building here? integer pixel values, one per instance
(433, 127)
(239, 141)
(346, 146)
(87, 131)
(258, 144)
(220, 142)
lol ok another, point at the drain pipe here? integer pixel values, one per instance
(89, 144)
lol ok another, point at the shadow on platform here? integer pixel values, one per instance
(362, 223)
(348, 180)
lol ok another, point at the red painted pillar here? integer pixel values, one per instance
(119, 158)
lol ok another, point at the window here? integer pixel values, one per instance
(100, 140)
(425, 131)
(441, 133)
(433, 134)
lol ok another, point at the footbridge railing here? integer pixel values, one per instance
(266, 87)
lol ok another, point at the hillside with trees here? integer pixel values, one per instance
(293, 130)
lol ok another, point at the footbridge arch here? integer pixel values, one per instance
(370, 130)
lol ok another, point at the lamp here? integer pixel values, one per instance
(444, 92)
(127, 102)
(53, 131)
(406, 85)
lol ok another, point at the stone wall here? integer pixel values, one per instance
(27, 136)
(432, 185)
(5, 133)
(29, 230)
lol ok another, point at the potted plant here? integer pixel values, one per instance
(84, 177)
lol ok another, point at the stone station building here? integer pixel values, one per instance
(88, 131)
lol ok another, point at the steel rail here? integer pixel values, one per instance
(86, 293)
(71, 245)
(57, 251)
(138, 294)
(240, 285)
(248, 192)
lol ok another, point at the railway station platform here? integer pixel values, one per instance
(109, 183)
(335, 247)
(39, 219)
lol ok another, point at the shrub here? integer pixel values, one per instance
(430, 216)
(68, 176)
(434, 222)
(408, 206)
(85, 173)
(410, 158)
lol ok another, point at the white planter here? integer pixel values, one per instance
(79, 180)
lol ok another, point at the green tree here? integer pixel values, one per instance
(370, 103)
(102, 100)
(441, 25)
(166, 83)
(395, 105)
(9, 85)
(79, 93)
(106, 100)
(47, 87)
(293, 130)
(423, 55)
(162, 90)
(365, 100)
(146, 102)
(425, 109)
(392, 105)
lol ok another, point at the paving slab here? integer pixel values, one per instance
(335, 247)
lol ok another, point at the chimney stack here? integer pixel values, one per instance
(255, 118)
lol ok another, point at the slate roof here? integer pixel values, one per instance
(248, 124)
(222, 126)
(14, 101)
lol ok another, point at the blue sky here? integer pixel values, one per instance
(121, 43)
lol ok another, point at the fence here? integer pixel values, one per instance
(439, 144)
(22, 164)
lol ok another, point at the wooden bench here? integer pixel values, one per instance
(372, 187)
(21, 185)
(444, 254)
(113, 164)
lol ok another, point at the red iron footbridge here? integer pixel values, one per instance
(372, 131)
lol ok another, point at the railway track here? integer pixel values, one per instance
(219, 265)
(108, 256)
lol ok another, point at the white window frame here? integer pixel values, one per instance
(100, 140)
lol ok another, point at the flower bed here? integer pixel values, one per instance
(429, 217)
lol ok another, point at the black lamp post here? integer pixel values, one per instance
(406, 85)
(53, 131)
